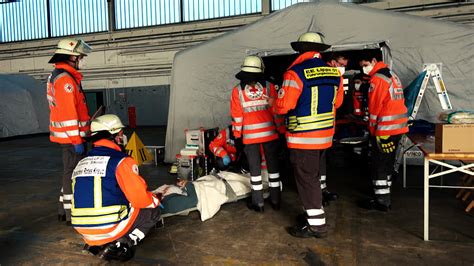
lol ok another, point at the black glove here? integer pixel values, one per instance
(385, 144)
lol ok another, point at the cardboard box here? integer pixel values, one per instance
(454, 138)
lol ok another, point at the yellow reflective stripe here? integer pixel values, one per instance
(97, 192)
(89, 220)
(314, 100)
(311, 118)
(317, 72)
(98, 211)
(311, 126)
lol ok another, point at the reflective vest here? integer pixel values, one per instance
(97, 198)
(69, 115)
(252, 117)
(315, 107)
(387, 111)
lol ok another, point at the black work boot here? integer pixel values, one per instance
(94, 250)
(275, 198)
(254, 207)
(117, 251)
(306, 231)
(374, 204)
(328, 197)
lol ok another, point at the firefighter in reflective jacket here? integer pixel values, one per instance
(254, 122)
(111, 207)
(310, 93)
(69, 116)
(387, 123)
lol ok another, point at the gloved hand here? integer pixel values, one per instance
(79, 148)
(385, 144)
(226, 160)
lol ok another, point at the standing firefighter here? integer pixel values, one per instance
(387, 122)
(310, 93)
(253, 120)
(69, 116)
(111, 207)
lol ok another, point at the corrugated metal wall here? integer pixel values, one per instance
(38, 19)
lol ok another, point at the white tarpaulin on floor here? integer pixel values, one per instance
(203, 75)
(23, 106)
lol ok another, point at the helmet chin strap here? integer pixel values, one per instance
(74, 63)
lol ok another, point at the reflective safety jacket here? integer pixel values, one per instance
(252, 117)
(69, 116)
(310, 93)
(108, 194)
(387, 110)
(224, 144)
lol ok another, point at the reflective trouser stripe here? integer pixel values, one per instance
(380, 182)
(136, 236)
(382, 191)
(316, 217)
(317, 221)
(256, 182)
(323, 182)
(314, 212)
(274, 180)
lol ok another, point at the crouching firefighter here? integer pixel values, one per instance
(254, 121)
(111, 207)
(228, 151)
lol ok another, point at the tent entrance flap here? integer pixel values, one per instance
(277, 61)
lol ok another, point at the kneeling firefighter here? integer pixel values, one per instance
(111, 207)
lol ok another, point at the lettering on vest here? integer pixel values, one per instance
(91, 166)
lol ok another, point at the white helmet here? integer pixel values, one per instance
(110, 123)
(252, 64)
(73, 46)
(310, 41)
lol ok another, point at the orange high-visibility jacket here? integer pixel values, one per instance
(387, 110)
(287, 101)
(69, 116)
(224, 145)
(252, 117)
(135, 190)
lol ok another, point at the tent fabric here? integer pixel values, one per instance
(23, 106)
(411, 92)
(203, 75)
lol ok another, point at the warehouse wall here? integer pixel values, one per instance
(139, 60)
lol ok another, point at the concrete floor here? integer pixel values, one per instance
(30, 234)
